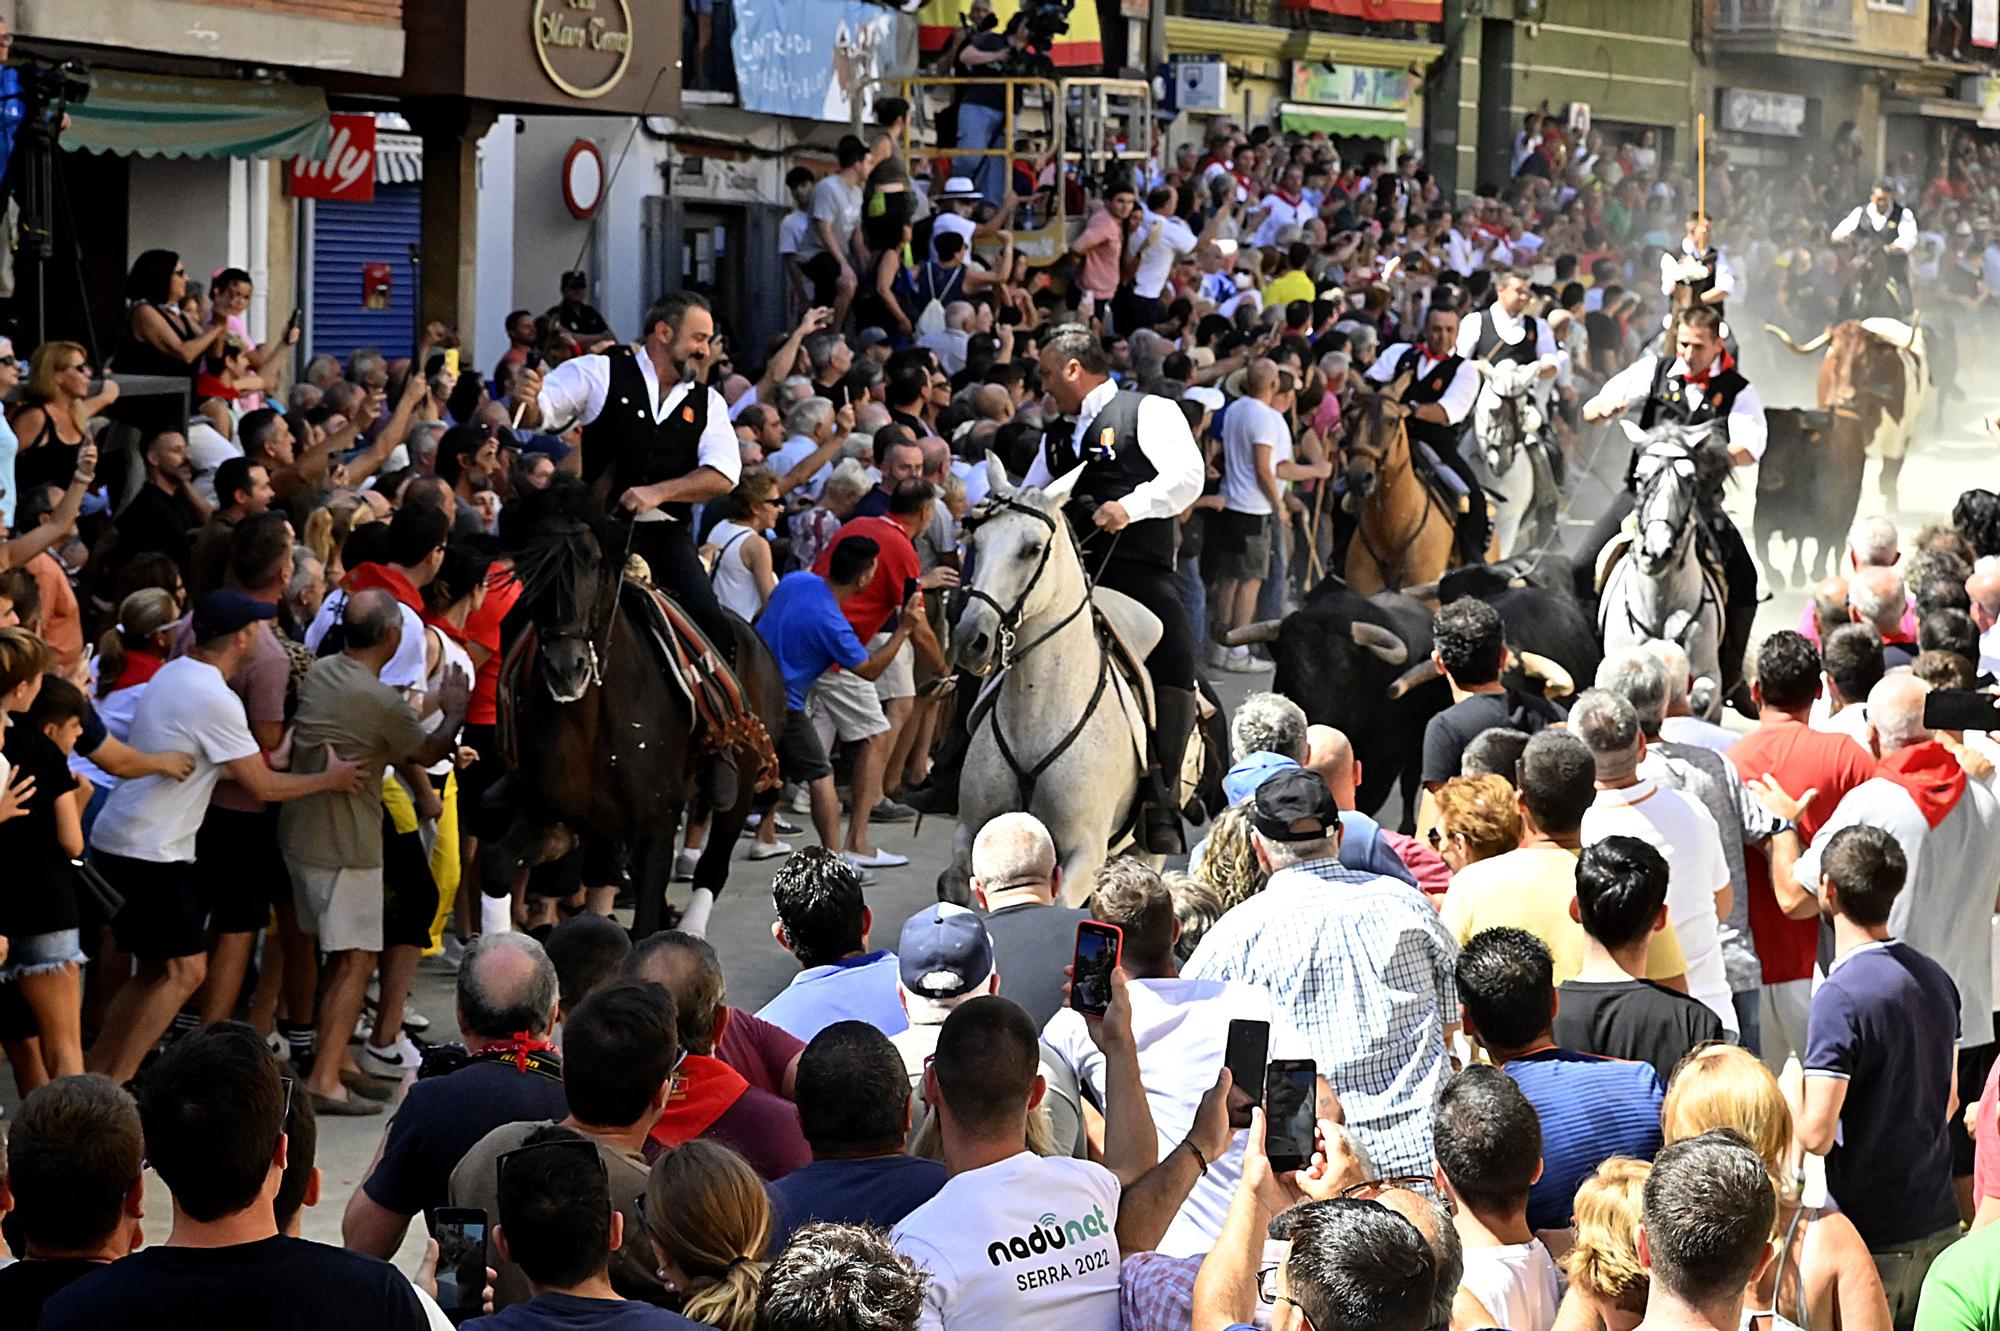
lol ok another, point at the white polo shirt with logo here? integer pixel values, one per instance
(1026, 1242)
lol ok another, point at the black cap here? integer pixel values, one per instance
(1294, 805)
(221, 613)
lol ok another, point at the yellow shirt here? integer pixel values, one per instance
(1532, 889)
(1282, 291)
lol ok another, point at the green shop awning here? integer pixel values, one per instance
(148, 115)
(1349, 122)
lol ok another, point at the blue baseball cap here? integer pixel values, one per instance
(1252, 771)
(221, 613)
(944, 952)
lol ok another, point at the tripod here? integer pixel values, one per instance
(38, 183)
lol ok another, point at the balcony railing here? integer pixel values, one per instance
(1297, 14)
(1821, 20)
(1951, 35)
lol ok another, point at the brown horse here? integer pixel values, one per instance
(1403, 533)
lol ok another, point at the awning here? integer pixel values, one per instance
(148, 115)
(399, 158)
(1344, 121)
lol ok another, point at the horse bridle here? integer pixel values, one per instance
(599, 662)
(1010, 616)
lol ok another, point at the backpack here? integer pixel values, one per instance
(930, 317)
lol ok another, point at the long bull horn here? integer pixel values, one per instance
(1806, 350)
(1264, 630)
(1556, 681)
(1389, 648)
(1418, 675)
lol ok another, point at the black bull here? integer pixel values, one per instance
(1355, 682)
(1808, 486)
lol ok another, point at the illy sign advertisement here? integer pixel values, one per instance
(348, 169)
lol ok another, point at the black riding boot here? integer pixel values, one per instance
(1475, 529)
(1160, 815)
(1736, 624)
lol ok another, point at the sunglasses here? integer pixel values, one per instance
(12, 362)
(1422, 1184)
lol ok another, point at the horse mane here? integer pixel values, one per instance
(1708, 449)
(544, 531)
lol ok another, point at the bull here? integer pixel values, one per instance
(1363, 664)
(1878, 370)
(1808, 487)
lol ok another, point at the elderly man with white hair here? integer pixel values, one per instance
(815, 432)
(1876, 597)
(1677, 826)
(1016, 879)
(1949, 828)
(1872, 542)
(1681, 725)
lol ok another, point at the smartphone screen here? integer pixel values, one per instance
(1288, 1112)
(451, 361)
(461, 1268)
(1244, 1055)
(1096, 957)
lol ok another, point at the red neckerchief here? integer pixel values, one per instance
(139, 667)
(520, 1044)
(704, 1089)
(1294, 200)
(362, 577)
(1932, 776)
(1722, 364)
(449, 629)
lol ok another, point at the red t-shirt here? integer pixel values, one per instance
(1801, 759)
(482, 627)
(869, 609)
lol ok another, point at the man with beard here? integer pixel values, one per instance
(468, 457)
(656, 441)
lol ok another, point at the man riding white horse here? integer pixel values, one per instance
(1699, 385)
(1141, 470)
(1889, 230)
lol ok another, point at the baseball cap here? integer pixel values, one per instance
(1294, 805)
(871, 336)
(944, 952)
(221, 613)
(1250, 773)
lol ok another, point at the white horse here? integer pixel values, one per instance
(1658, 586)
(1507, 418)
(1058, 732)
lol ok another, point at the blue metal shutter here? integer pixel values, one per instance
(346, 236)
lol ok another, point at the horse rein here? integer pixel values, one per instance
(600, 662)
(1010, 617)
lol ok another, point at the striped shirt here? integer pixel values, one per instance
(1365, 969)
(1591, 1109)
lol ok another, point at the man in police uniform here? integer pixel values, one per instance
(1142, 469)
(662, 442)
(1699, 384)
(1890, 227)
(1443, 386)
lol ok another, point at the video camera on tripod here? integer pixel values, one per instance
(48, 88)
(1040, 23)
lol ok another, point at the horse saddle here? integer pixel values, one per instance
(1444, 484)
(727, 721)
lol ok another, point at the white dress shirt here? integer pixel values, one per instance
(1673, 267)
(1156, 263)
(578, 391)
(1906, 230)
(1458, 397)
(1630, 387)
(1166, 441)
(1510, 328)
(1460, 254)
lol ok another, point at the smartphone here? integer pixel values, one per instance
(1097, 949)
(909, 589)
(298, 316)
(1290, 1086)
(460, 1232)
(1248, 1046)
(1961, 709)
(451, 361)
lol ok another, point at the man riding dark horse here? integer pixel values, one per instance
(1884, 235)
(1443, 385)
(656, 442)
(1700, 384)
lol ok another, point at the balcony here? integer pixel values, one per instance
(1307, 16)
(1952, 35)
(1762, 21)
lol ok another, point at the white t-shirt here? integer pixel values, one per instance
(1182, 1030)
(1684, 834)
(207, 450)
(187, 708)
(792, 231)
(1515, 1282)
(405, 669)
(1027, 1242)
(1246, 424)
(1156, 265)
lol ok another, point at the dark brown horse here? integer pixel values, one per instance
(602, 738)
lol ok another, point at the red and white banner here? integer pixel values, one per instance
(1986, 23)
(348, 169)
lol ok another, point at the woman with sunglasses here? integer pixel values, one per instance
(1478, 818)
(55, 408)
(159, 339)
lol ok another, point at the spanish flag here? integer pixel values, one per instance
(1082, 47)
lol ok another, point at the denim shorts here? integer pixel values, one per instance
(37, 954)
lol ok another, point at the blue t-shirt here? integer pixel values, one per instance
(1886, 1020)
(1591, 1109)
(875, 1190)
(805, 630)
(860, 988)
(567, 1312)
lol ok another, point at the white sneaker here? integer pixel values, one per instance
(768, 850)
(684, 864)
(881, 859)
(800, 801)
(397, 1061)
(414, 1022)
(1242, 663)
(1218, 656)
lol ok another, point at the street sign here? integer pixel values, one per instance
(1751, 111)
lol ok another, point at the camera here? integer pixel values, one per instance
(1044, 21)
(52, 83)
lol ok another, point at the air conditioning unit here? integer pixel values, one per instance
(1203, 85)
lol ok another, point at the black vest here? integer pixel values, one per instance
(1489, 347)
(1894, 264)
(1429, 388)
(1113, 466)
(625, 440)
(1701, 286)
(1668, 402)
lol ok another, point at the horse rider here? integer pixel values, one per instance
(1890, 228)
(661, 441)
(1504, 333)
(1443, 385)
(1141, 471)
(1697, 274)
(1699, 385)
